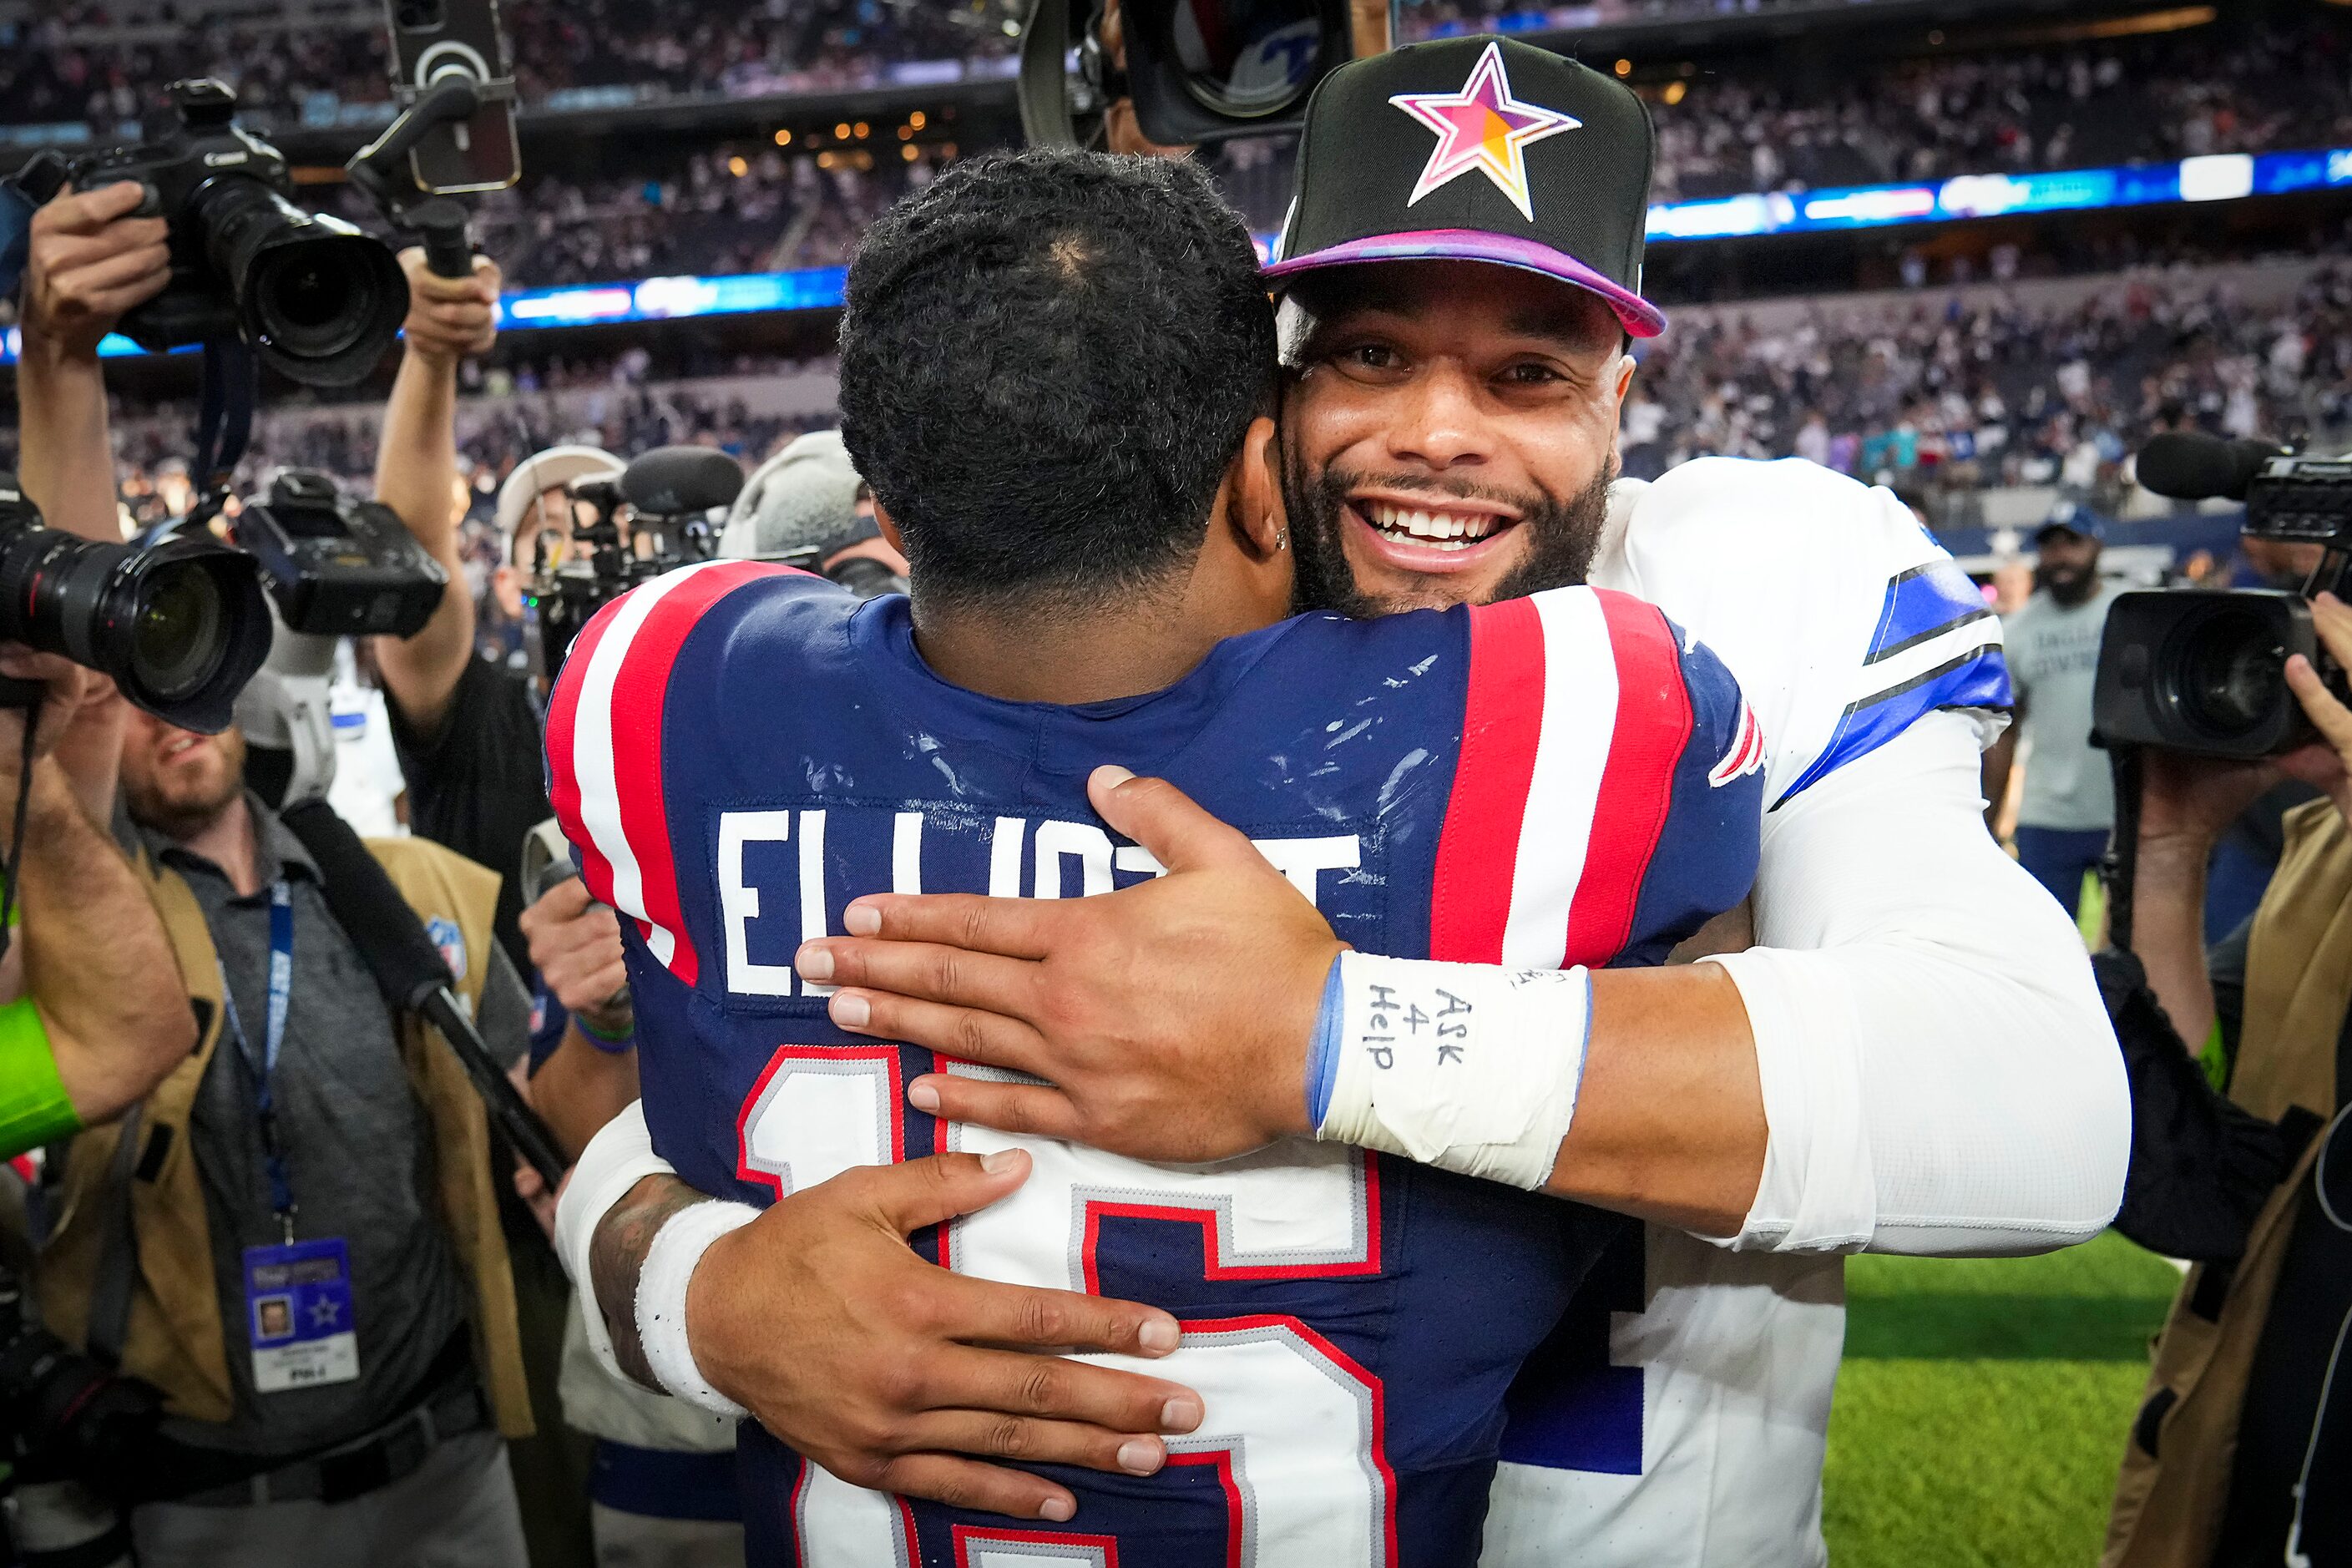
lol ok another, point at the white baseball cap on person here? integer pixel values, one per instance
(543, 472)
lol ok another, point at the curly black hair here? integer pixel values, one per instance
(1048, 360)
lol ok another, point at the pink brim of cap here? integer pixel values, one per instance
(1637, 315)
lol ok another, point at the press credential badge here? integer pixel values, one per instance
(297, 1311)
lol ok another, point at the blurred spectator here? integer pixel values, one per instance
(2068, 805)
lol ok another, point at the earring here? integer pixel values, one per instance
(1281, 539)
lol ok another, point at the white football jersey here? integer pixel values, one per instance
(1678, 1418)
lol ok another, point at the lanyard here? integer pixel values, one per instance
(281, 992)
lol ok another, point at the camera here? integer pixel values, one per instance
(655, 516)
(1198, 70)
(63, 1415)
(316, 298)
(2206, 672)
(181, 626)
(339, 567)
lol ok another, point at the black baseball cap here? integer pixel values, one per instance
(1477, 149)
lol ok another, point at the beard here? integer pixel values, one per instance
(186, 805)
(1563, 534)
(2067, 585)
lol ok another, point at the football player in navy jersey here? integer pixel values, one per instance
(1082, 481)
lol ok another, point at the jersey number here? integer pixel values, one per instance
(1293, 1432)
(1571, 1409)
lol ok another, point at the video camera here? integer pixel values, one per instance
(655, 516)
(1198, 70)
(314, 296)
(339, 567)
(2206, 672)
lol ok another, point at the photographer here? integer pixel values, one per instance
(293, 1238)
(2233, 1427)
(91, 1012)
(466, 729)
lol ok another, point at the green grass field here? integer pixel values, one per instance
(1983, 1406)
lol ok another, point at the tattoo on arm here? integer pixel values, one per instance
(616, 1255)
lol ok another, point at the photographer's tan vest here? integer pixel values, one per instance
(2169, 1505)
(174, 1337)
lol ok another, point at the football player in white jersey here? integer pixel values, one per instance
(1916, 1026)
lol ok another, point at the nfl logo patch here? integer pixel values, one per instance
(446, 936)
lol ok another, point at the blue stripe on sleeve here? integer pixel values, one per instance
(1977, 678)
(1925, 601)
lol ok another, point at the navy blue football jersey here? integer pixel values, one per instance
(737, 751)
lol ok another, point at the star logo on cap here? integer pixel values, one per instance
(1482, 127)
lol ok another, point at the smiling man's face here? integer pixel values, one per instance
(1450, 434)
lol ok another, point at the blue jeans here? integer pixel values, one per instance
(2058, 857)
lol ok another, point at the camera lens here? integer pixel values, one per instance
(316, 298)
(1248, 58)
(175, 640)
(320, 300)
(181, 626)
(2228, 672)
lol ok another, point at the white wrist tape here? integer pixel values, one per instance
(677, 1247)
(1466, 1067)
(619, 1157)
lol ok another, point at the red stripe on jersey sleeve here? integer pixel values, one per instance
(1637, 784)
(562, 769)
(1470, 897)
(640, 690)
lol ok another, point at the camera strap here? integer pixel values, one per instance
(224, 421)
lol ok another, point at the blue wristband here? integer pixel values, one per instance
(611, 1044)
(1323, 1050)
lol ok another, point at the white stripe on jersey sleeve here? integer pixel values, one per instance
(592, 749)
(1579, 722)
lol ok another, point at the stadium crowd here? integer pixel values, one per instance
(102, 65)
(1719, 133)
(1936, 390)
(1931, 393)
(718, 213)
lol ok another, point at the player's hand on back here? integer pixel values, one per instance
(1170, 1021)
(820, 1319)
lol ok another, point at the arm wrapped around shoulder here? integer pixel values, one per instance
(1939, 1076)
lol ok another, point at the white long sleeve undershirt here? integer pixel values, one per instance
(1938, 1074)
